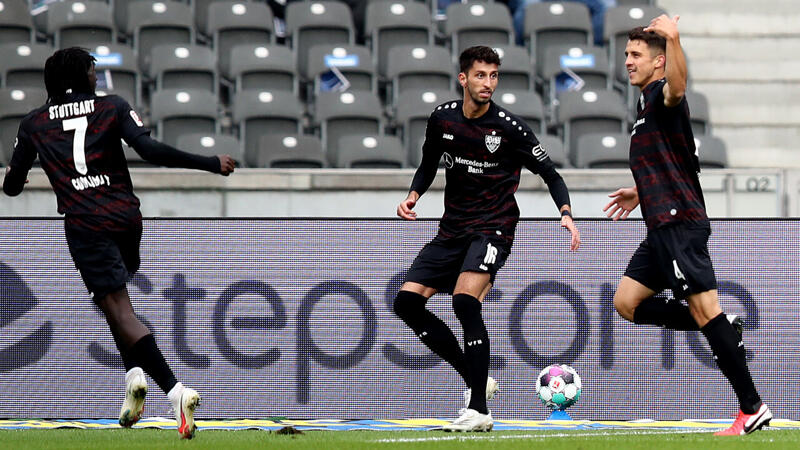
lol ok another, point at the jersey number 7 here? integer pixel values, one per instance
(79, 124)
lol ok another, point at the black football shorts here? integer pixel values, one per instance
(106, 260)
(674, 257)
(441, 261)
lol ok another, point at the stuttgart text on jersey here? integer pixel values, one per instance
(79, 108)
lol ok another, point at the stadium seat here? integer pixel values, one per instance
(516, 68)
(556, 23)
(340, 114)
(526, 104)
(183, 66)
(587, 62)
(370, 152)
(618, 22)
(555, 149)
(354, 62)
(231, 23)
(117, 64)
(582, 112)
(207, 144)
(23, 65)
(309, 23)
(183, 111)
(390, 23)
(698, 113)
(711, 151)
(264, 67)
(16, 103)
(603, 150)
(478, 23)
(411, 116)
(635, 2)
(411, 67)
(158, 22)
(290, 151)
(256, 113)
(16, 24)
(80, 22)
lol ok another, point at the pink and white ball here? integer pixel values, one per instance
(558, 386)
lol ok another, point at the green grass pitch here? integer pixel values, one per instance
(247, 439)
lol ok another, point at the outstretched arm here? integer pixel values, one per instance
(165, 155)
(675, 68)
(623, 201)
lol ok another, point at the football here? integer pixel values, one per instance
(558, 386)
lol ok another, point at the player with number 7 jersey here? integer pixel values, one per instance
(77, 136)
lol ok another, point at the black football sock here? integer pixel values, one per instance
(729, 353)
(146, 352)
(476, 348)
(670, 314)
(125, 353)
(433, 332)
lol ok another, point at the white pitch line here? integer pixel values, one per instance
(476, 437)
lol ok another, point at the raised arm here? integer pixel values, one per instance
(675, 67)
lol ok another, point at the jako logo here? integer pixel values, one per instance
(16, 300)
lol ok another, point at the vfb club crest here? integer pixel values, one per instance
(492, 143)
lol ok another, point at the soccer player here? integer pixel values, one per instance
(484, 148)
(675, 254)
(77, 136)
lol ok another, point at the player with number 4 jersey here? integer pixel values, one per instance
(484, 148)
(77, 136)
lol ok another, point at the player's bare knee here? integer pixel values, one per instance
(624, 306)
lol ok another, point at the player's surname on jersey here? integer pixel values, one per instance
(80, 108)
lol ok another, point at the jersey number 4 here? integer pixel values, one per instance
(79, 124)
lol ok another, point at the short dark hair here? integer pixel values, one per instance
(656, 43)
(68, 69)
(477, 53)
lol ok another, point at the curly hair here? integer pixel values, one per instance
(68, 69)
(477, 53)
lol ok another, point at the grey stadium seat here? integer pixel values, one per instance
(711, 151)
(309, 23)
(413, 109)
(618, 22)
(120, 65)
(353, 61)
(478, 23)
(265, 67)
(16, 103)
(183, 111)
(183, 66)
(390, 23)
(80, 22)
(526, 104)
(516, 68)
(15, 22)
(588, 62)
(556, 23)
(412, 67)
(603, 150)
(585, 112)
(555, 149)
(208, 144)
(256, 113)
(158, 22)
(698, 113)
(23, 64)
(370, 152)
(338, 114)
(231, 23)
(290, 151)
